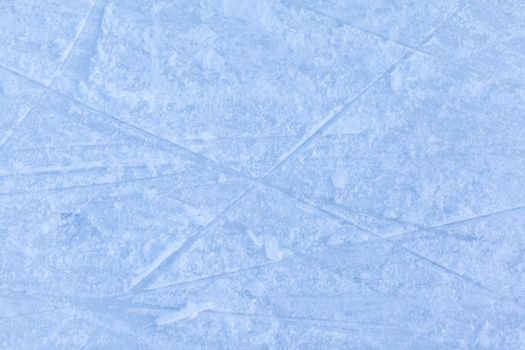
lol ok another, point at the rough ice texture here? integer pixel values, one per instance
(273, 174)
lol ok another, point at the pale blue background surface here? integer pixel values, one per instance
(273, 174)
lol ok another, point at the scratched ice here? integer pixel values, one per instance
(274, 174)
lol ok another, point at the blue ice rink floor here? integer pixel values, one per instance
(262, 174)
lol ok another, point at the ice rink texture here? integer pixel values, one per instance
(262, 174)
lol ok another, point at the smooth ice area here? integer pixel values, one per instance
(262, 174)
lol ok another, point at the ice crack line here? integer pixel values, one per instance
(301, 144)
(47, 84)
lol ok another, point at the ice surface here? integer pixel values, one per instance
(275, 174)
